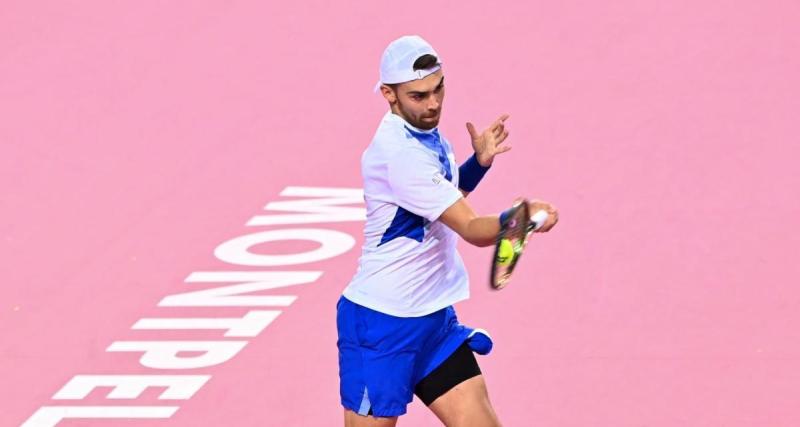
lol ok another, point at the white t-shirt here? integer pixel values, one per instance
(409, 264)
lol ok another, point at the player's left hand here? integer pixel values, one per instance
(487, 143)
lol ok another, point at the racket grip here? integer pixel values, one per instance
(538, 219)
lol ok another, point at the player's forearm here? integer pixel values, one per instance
(479, 230)
(482, 230)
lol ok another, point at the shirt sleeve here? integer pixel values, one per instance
(418, 184)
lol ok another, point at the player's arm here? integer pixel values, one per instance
(477, 230)
(414, 175)
(482, 230)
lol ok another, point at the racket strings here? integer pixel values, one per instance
(513, 235)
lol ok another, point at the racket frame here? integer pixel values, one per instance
(518, 220)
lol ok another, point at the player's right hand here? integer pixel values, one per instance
(552, 214)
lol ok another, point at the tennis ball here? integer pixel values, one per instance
(505, 252)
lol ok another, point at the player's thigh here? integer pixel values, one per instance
(351, 419)
(466, 404)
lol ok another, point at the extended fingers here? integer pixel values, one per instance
(501, 137)
(471, 129)
(500, 122)
(498, 128)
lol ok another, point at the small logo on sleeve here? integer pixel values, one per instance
(438, 177)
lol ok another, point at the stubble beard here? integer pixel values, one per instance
(417, 122)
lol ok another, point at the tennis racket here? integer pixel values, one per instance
(515, 228)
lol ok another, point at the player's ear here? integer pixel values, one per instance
(389, 94)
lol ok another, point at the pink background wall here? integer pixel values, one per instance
(136, 137)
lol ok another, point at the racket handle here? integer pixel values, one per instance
(538, 219)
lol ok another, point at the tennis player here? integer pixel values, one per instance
(398, 332)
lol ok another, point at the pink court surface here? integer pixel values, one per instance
(145, 147)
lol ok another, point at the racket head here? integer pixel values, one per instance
(513, 236)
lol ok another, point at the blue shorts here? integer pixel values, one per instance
(383, 357)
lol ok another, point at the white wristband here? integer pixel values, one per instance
(539, 218)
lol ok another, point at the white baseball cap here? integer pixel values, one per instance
(397, 63)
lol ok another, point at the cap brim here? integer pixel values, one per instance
(417, 75)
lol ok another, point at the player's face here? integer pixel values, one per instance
(419, 102)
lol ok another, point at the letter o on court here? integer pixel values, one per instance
(237, 250)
